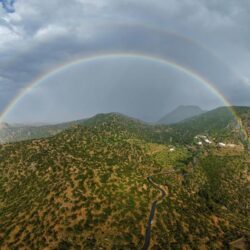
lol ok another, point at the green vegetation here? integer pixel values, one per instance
(87, 188)
(207, 207)
(219, 123)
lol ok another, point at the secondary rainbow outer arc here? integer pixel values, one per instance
(94, 57)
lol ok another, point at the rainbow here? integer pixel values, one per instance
(151, 28)
(155, 58)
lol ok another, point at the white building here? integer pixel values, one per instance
(221, 144)
(208, 141)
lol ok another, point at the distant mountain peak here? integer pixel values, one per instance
(181, 113)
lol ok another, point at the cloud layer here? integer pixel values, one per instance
(8, 5)
(209, 37)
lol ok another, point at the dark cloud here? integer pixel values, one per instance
(208, 37)
(133, 86)
(8, 5)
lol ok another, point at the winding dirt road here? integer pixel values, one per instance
(153, 208)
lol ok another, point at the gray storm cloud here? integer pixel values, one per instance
(8, 5)
(210, 38)
(134, 86)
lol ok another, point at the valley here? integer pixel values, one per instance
(124, 125)
(94, 184)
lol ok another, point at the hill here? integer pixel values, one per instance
(181, 113)
(219, 123)
(87, 188)
(9, 133)
(14, 133)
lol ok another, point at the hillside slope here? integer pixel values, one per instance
(219, 123)
(87, 188)
(14, 133)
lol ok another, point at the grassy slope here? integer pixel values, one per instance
(87, 184)
(86, 188)
(208, 207)
(219, 123)
(16, 133)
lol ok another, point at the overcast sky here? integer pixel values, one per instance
(210, 37)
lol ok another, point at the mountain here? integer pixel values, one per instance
(18, 133)
(92, 186)
(14, 133)
(220, 123)
(181, 113)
